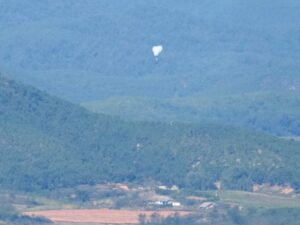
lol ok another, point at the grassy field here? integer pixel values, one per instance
(242, 198)
(26, 202)
(48, 204)
(258, 200)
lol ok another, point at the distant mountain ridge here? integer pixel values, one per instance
(275, 113)
(90, 50)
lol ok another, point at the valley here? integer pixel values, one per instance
(129, 203)
(150, 112)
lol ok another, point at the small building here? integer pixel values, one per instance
(163, 187)
(174, 188)
(207, 205)
(176, 204)
(165, 203)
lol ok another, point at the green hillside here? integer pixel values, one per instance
(48, 143)
(275, 113)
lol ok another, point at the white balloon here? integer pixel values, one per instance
(157, 50)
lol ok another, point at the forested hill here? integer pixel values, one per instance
(47, 143)
(275, 113)
(89, 50)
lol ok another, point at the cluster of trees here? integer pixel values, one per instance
(9, 216)
(47, 143)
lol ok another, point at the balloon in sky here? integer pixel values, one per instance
(157, 50)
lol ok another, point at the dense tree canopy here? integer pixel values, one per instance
(48, 143)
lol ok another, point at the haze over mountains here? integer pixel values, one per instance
(201, 95)
(90, 50)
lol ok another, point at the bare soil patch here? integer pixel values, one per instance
(101, 216)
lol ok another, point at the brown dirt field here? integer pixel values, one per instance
(100, 216)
